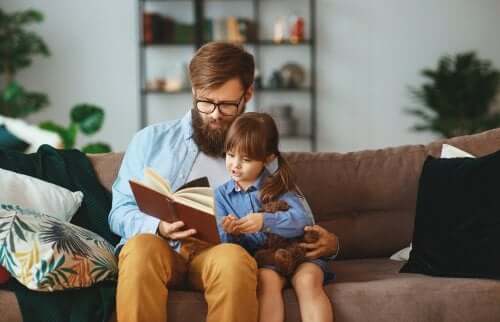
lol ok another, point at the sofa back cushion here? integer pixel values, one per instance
(367, 198)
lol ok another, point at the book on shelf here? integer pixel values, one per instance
(192, 203)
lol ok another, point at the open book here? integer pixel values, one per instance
(193, 203)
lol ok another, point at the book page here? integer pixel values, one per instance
(207, 201)
(157, 182)
(194, 204)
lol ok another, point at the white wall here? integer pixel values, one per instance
(369, 51)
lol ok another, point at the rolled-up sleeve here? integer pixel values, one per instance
(125, 218)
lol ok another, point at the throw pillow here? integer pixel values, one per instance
(447, 152)
(32, 193)
(457, 224)
(46, 254)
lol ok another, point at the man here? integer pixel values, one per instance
(151, 259)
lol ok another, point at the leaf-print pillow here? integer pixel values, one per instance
(46, 254)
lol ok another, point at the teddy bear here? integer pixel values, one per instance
(284, 254)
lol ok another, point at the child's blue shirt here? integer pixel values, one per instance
(231, 199)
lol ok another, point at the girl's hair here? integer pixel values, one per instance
(215, 63)
(255, 135)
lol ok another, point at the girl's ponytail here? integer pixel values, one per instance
(279, 182)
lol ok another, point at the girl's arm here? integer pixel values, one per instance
(289, 223)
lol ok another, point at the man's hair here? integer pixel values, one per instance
(217, 62)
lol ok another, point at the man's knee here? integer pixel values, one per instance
(232, 256)
(232, 262)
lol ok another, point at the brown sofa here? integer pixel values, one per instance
(368, 199)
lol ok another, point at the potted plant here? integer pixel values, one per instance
(18, 46)
(458, 96)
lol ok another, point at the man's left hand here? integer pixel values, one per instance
(326, 245)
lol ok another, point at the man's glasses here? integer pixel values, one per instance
(225, 108)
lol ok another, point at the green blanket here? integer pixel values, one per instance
(70, 169)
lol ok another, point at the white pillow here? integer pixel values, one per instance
(447, 152)
(31, 134)
(41, 196)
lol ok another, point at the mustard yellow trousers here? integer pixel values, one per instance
(148, 268)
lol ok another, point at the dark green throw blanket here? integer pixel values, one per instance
(70, 169)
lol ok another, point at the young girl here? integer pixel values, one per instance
(259, 174)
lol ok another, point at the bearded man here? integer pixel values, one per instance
(150, 251)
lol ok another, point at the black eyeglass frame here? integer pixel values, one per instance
(217, 105)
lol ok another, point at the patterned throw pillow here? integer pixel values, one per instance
(46, 254)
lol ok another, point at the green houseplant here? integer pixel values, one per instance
(85, 118)
(458, 96)
(18, 46)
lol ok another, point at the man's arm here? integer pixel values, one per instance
(125, 218)
(327, 245)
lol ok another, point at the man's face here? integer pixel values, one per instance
(210, 128)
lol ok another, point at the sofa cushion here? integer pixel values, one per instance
(47, 254)
(33, 193)
(373, 290)
(457, 222)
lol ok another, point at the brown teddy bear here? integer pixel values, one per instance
(284, 254)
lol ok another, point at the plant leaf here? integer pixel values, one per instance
(98, 147)
(88, 117)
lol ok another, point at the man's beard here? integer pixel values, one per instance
(209, 141)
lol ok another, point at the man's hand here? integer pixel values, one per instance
(251, 223)
(229, 224)
(326, 245)
(173, 230)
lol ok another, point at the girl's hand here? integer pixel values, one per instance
(251, 223)
(229, 224)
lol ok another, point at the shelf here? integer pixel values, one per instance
(264, 46)
(270, 43)
(170, 44)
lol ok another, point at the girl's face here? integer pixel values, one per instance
(242, 169)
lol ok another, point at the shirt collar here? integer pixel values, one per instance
(256, 185)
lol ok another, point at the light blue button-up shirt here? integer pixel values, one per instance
(167, 147)
(230, 199)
